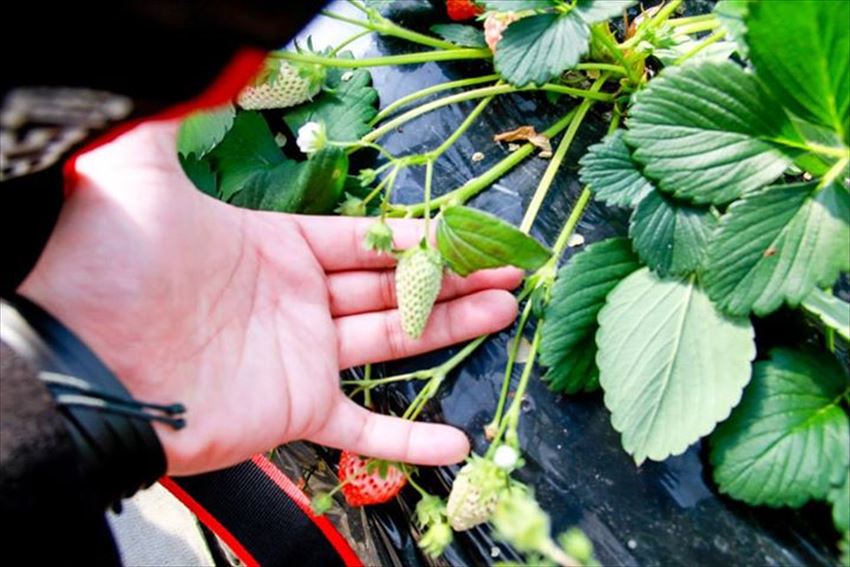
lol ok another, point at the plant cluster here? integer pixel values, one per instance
(729, 142)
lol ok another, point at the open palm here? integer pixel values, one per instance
(245, 317)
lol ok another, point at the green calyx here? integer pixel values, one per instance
(379, 238)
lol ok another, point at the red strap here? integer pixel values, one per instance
(292, 493)
(349, 557)
(209, 521)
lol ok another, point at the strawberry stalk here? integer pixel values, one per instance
(377, 23)
(404, 59)
(478, 184)
(543, 277)
(558, 158)
(480, 93)
(422, 93)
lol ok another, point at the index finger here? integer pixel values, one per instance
(338, 244)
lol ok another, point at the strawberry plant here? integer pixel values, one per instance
(728, 146)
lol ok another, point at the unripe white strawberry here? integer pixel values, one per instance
(282, 84)
(494, 25)
(418, 278)
(475, 493)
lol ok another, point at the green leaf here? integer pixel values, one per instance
(671, 364)
(609, 170)
(271, 189)
(788, 440)
(720, 51)
(247, 148)
(731, 14)
(517, 5)
(345, 108)
(812, 159)
(199, 172)
(777, 245)
(201, 131)
(593, 11)
(830, 310)
(708, 132)
(670, 237)
(321, 181)
(568, 347)
(800, 51)
(459, 34)
(470, 240)
(539, 48)
(839, 496)
(311, 187)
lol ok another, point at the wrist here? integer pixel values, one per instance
(118, 448)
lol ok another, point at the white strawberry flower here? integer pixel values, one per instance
(312, 137)
(505, 457)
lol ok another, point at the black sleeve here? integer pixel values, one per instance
(50, 512)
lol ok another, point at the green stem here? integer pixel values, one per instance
(438, 374)
(519, 394)
(834, 172)
(353, 21)
(422, 492)
(558, 158)
(377, 190)
(412, 97)
(388, 191)
(664, 14)
(570, 225)
(578, 210)
(349, 41)
(418, 375)
(830, 339)
(691, 20)
(713, 38)
(478, 184)
(429, 176)
(352, 147)
(464, 126)
(512, 417)
(475, 94)
(619, 69)
(367, 394)
(384, 26)
(560, 557)
(698, 27)
(616, 51)
(509, 367)
(659, 18)
(557, 251)
(828, 151)
(360, 6)
(405, 59)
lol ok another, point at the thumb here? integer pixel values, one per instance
(356, 429)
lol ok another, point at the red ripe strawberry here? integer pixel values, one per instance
(460, 10)
(368, 481)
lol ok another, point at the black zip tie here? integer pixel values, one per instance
(79, 385)
(110, 407)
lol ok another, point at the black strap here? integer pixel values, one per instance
(260, 516)
(119, 450)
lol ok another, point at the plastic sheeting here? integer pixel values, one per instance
(667, 513)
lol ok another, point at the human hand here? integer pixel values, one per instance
(245, 317)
